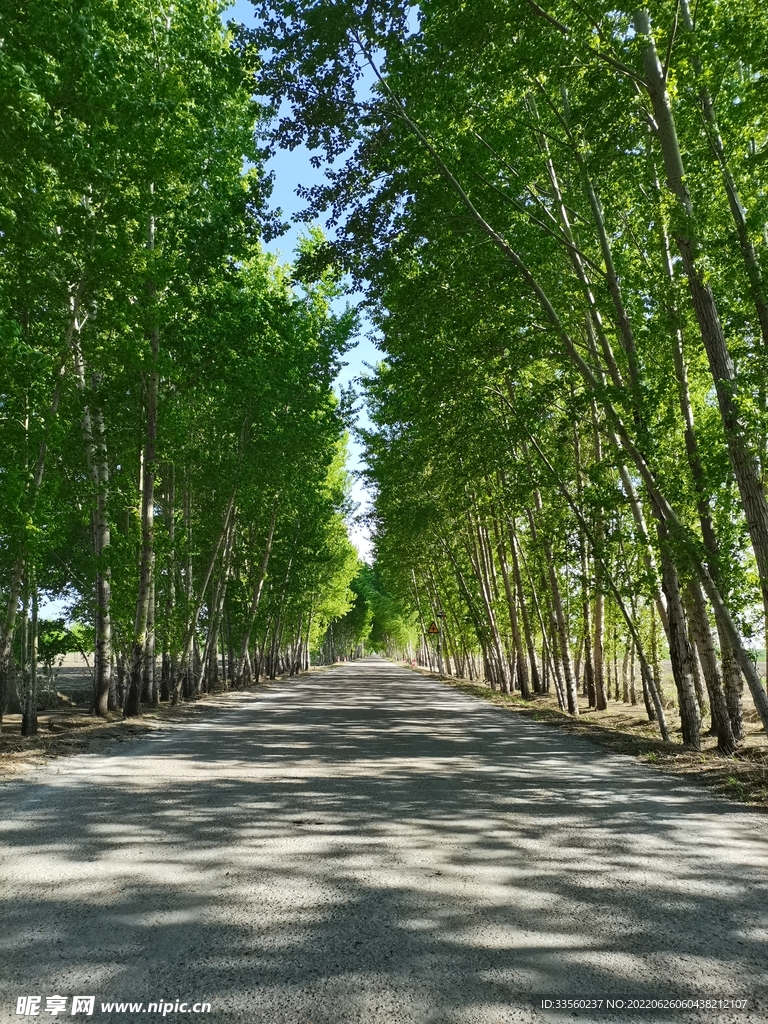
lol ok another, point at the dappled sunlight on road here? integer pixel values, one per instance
(367, 845)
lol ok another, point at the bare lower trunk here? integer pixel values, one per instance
(546, 654)
(733, 687)
(120, 678)
(625, 676)
(556, 663)
(632, 677)
(101, 543)
(598, 635)
(170, 648)
(524, 614)
(29, 709)
(698, 684)
(559, 619)
(571, 692)
(9, 625)
(679, 649)
(138, 650)
(589, 667)
(421, 620)
(655, 659)
(256, 597)
(702, 634)
(210, 652)
(149, 683)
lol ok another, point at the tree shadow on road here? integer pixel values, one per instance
(368, 846)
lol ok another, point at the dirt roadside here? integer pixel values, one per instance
(72, 730)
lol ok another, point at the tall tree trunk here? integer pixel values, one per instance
(519, 651)
(556, 662)
(9, 626)
(170, 649)
(256, 596)
(210, 651)
(102, 541)
(479, 555)
(231, 665)
(421, 620)
(94, 440)
(138, 651)
(721, 722)
(695, 661)
(29, 665)
(524, 614)
(625, 675)
(589, 668)
(738, 212)
(149, 682)
(632, 677)
(743, 458)
(598, 636)
(679, 649)
(571, 690)
(24, 651)
(547, 660)
(307, 652)
(733, 686)
(560, 622)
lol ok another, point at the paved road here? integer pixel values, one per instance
(365, 845)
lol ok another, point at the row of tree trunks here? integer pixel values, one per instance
(688, 629)
(742, 457)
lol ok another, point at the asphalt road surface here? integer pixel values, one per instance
(366, 845)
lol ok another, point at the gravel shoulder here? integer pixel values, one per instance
(368, 845)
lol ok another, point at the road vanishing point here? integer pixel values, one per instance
(367, 845)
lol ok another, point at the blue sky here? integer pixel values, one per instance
(292, 169)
